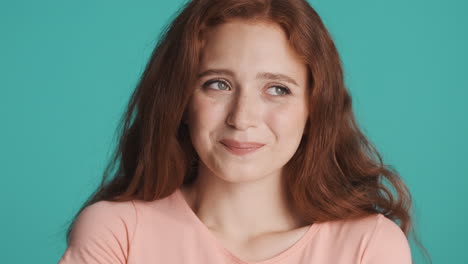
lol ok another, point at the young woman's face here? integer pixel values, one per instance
(251, 88)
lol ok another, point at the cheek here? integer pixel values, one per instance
(287, 121)
(204, 114)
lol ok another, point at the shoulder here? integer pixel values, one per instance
(105, 216)
(371, 239)
(386, 243)
(102, 233)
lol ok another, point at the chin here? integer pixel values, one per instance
(238, 176)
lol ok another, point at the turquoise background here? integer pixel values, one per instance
(67, 69)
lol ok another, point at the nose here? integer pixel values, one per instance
(244, 112)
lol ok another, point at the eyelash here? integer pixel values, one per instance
(286, 90)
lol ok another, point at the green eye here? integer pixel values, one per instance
(279, 90)
(220, 86)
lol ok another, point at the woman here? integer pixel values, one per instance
(239, 145)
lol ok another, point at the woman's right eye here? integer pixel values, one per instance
(221, 85)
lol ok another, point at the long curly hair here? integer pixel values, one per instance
(336, 173)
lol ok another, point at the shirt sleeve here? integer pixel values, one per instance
(102, 234)
(388, 244)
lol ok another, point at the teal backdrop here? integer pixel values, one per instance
(67, 69)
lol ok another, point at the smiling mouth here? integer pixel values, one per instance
(240, 148)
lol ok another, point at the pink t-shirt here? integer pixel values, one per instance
(167, 231)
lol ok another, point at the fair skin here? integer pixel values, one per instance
(240, 197)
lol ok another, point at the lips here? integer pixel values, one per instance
(240, 145)
(240, 148)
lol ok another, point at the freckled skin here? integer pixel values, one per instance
(245, 108)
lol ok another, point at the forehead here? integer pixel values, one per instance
(254, 47)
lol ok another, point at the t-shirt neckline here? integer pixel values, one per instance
(204, 229)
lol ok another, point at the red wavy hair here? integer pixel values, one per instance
(336, 173)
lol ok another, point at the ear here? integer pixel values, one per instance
(306, 128)
(185, 118)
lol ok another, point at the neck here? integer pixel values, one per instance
(241, 210)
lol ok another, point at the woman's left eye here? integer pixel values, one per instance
(279, 90)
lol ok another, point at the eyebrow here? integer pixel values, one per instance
(260, 75)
